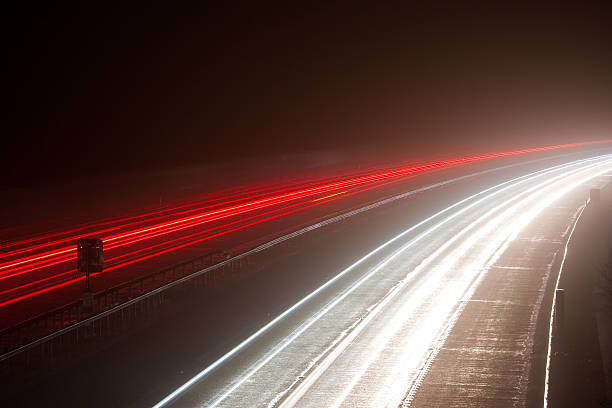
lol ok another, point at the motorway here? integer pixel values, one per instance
(431, 299)
(38, 273)
(369, 335)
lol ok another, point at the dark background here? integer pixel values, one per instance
(117, 88)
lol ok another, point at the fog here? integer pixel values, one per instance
(110, 90)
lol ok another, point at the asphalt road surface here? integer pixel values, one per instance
(442, 314)
(434, 299)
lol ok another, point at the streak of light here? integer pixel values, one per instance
(71, 281)
(129, 254)
(244, 194)
(222, 210)
(507, 224)
(111, 260)
(349, 182)
(329, 196)
(443, 304)
(488, 194)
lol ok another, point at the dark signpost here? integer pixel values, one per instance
(90, 258)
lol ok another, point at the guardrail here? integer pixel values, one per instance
(116, 309)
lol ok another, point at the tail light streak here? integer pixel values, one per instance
(215, 212)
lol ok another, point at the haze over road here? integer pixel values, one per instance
(295, 204)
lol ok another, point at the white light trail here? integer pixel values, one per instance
(450, 261)
(484, 195)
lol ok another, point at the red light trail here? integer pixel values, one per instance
(47, 257)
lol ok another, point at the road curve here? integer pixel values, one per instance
(38, 273)
(368, 336)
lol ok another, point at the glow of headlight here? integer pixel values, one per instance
(258, 333)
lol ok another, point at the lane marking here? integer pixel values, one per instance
(329, 196)
(552, 309)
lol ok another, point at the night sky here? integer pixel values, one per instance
(116, 87)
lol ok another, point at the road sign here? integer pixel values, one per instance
(90, 257)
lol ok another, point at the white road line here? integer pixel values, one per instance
(552, 310)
